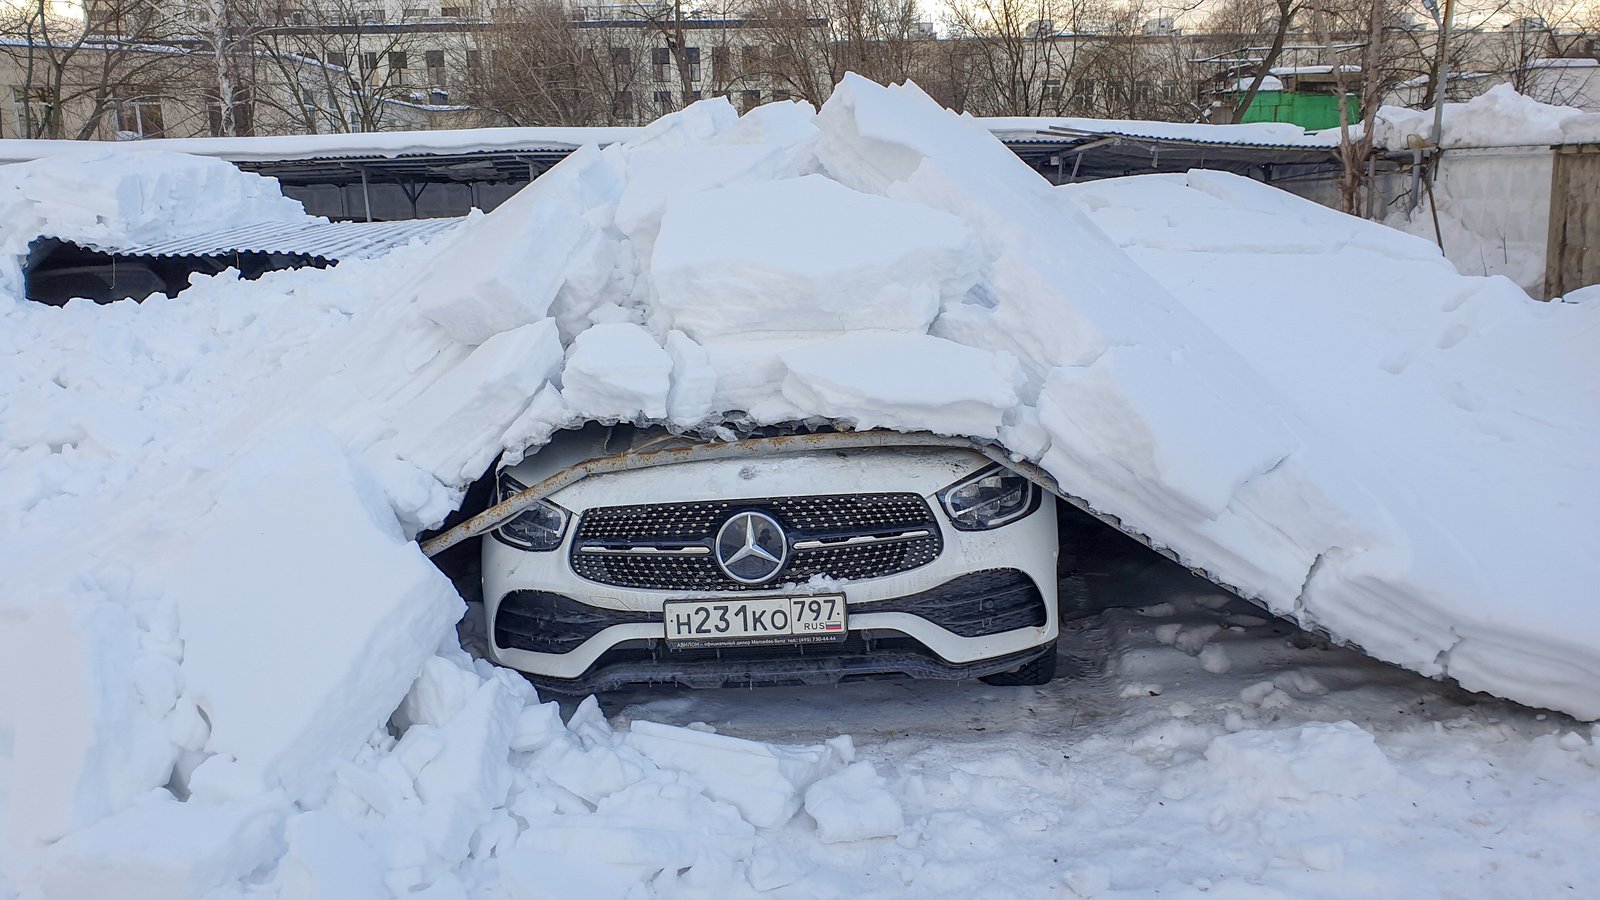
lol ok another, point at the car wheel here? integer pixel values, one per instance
(1039, 671)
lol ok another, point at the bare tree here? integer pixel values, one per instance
(1534, 33)
(535, 65)
(809, 45)
(1022, 51)
(1135, 67)
(337, 66)
(1377, 75)
(78, 68)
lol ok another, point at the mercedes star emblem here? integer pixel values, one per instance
(752, 548)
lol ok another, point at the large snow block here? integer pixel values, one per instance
(505, 269)
(82, 744)
(452, 429)
(304, 611)
(160, 849)
(904, 381)
(806, 255)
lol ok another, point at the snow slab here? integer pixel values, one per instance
(736, 260)
(207, 503)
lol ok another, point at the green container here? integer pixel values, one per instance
(1312, 112)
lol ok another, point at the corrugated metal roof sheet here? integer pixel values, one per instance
(329, 240)
(1068, 137)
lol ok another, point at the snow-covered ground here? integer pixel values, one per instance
(227, 671)
(1195, 749)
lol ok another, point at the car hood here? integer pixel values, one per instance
(806, 471)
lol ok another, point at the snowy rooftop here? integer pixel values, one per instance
(1051, 129)
(382, 144)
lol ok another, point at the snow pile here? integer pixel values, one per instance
(207, 513)
(95, 197)
(1499, 117)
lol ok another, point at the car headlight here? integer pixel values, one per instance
(994, 497)
(539, 527)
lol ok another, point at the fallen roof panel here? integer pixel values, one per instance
(328, 240)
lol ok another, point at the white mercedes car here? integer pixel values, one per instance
(798, 559)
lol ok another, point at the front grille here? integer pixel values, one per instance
(829, 518)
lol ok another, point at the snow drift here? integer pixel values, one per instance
(205, 503)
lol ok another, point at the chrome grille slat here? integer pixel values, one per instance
(842, 536)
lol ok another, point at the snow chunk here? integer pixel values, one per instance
(694, 381)
(764, 781)
(907, 381)
(617, 371)
(755, 259)
(854, 804)
(160, 849)
(1295, 763)
(326, 860)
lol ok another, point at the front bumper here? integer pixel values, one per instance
(637, 662)
(1002, 614)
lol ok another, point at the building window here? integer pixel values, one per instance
(415, 12)
(622, 105)
(453, 12)
(692, 54)
(749, 100)
(369, 62)
(721, 63)
(435, 61)
(690, 97)
(663, 100)
(336, 58)
(474, 62)
(621, 61)
(140, 118)
(397, 60)
(370, 16)
(779, 96)
(661, 61)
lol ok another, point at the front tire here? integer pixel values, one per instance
(1039, 671)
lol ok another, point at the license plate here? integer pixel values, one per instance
(755, 622)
